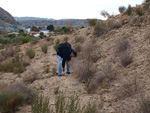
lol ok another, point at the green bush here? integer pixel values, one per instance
(26, 39)
(139, 11)
(47, 69)
(4, 40)
(40, 105)
(16, 40)
(122, 9)
(30, 53)
(129, 10)
(92, 22)
(44, 48)
(10, 102)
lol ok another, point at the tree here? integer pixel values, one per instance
(21, 32)
(41, 35)
(35, 29)
(50, 27)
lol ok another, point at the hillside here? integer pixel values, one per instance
(111, 71)
(6, 18)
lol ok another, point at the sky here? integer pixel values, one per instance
(64, 9)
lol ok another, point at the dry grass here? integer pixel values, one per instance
(122, 45)
(15, 65)
(104, 77)
(129, 88)
(122, 51)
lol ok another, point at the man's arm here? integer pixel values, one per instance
(63, 63)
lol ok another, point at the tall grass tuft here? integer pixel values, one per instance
(40, 105)
(44, 48)
(30, 52)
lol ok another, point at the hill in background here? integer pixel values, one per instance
(56, 23)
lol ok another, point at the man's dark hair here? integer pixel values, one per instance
(75, 53)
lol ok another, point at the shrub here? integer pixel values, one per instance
(100, 28)
(92, 22)
(24, 89)
(13, 65)
(129, 10)
(79, 39)
(105, 14)
(66, 39)
(26, 39)
(47, 69)
(30, 53)
(146, 6)
(56, 44)
(122, 9)
(4, 40)
(44, 48)
(129, 88)
(14, 96)
(34, 40)
(126, 58)
(40, 105)
(84, 71)
(56, 90)
(10, 102)
(139, 11)
(122, 45)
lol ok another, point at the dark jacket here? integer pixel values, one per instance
(64, 54)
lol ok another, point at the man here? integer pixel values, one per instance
(64, 54)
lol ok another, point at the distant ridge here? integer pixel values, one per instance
(31, 18)
(36, 21)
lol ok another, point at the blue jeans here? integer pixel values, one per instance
(60, 66)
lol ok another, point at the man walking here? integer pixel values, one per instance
(64, 54)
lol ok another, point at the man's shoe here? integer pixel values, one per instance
(60, 75)
(67, 72)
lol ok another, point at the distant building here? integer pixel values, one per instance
(34, 33)
(45, 31)
(28, 29)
